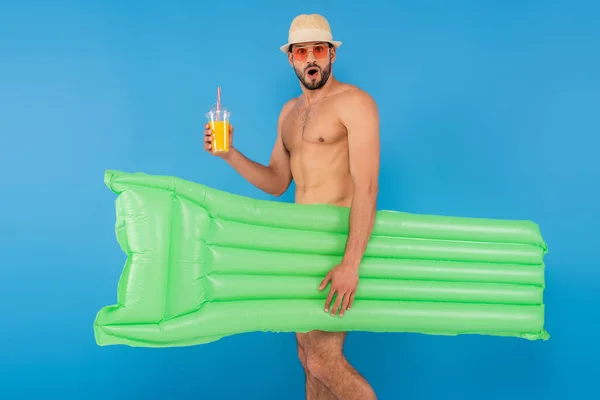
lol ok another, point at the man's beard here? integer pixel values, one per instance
(314, 84)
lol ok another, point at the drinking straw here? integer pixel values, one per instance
(218, 98)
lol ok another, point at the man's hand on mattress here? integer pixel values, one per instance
(344, 280)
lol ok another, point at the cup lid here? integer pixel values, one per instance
(222, 108)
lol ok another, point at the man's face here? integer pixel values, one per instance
(312, 63)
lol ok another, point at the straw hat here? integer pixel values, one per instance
(309, 28)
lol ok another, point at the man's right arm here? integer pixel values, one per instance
(273, 178)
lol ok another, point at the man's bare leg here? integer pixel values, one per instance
(327, 368)
(315, 389)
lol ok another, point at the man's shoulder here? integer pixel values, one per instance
(352, 99)
(353, 93)
(287, 106)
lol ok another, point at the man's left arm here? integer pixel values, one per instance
(361, 118)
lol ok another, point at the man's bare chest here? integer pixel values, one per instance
(314, 125)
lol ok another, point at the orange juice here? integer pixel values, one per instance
(218, 120)
(220, 136)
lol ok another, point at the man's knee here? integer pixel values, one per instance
(319, 363)
(322, 352)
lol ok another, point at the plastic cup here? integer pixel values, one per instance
(218, 120)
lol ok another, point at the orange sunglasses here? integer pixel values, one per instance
(320, 51)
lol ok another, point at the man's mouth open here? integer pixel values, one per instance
(312, 72)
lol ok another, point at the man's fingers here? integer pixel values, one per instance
(328, 300)
(337, 304)
(345, 304)
(207, 138)
(325, 281)
(351, 300)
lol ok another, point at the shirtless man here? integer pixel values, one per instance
(328, 143)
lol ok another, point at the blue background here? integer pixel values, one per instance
(487, 111)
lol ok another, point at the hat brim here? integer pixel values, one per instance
(285, 48)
